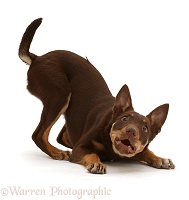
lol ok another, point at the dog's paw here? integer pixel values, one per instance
(96, 168)
(162, 163)
(61, 155)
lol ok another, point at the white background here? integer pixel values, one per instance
(144, 44)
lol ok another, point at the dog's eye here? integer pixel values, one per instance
(125, 119)
(144, 129)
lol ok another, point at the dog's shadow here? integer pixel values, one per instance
(127, 166)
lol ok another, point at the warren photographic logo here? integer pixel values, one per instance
(53, 191)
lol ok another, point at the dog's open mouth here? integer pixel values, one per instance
(124, 146)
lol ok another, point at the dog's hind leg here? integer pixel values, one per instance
(52, 110)
(63, 138)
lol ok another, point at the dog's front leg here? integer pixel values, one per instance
(90, 160)
(152, 160)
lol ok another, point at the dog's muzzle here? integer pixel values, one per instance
(125, 142)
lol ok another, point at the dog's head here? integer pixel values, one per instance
(132, 132)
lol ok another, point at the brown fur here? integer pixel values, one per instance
(98, 126)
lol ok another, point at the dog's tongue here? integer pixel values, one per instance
(123, 148)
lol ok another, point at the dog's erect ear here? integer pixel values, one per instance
(123, 101)
(157, 118)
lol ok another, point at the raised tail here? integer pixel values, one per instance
(27, 38)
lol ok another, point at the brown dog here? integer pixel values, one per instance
(98, 126)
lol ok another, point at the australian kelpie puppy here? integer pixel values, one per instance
(99, 127)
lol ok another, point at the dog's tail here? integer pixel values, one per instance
(27, 38)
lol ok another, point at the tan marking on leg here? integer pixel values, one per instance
(93, 164)
(98, 145)
(151, 159)
(90, 158)
(53, 151)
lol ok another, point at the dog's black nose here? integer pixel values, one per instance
(131, 131)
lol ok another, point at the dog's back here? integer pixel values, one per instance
(74, 74)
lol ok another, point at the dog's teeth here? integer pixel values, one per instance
(130, 148)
